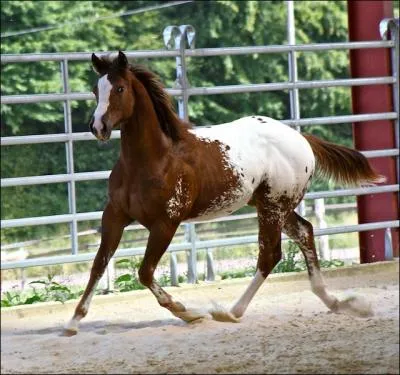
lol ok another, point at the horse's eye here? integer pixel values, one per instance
(120, 89)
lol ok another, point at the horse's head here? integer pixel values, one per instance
(114, 95)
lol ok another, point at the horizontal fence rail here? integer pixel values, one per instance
(200, 245)
(103, 175)
(191, 243)
(86, 136)
(16, 245)
(55, 178)
(85, 216)
(231, 89)
(200, 52)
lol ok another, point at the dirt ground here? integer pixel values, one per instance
(285, 330)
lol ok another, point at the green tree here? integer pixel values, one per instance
(38, 78)
(217, 23)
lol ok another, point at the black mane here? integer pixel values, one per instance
(169, 121)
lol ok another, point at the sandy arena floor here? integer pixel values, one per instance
(285, 330)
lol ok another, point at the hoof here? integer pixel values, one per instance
(355, 306)
(220, 314)
(189, 316)
(224, 316)
(68, 332)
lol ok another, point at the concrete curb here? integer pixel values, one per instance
(25, 311)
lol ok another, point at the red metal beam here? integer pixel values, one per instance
(364, 18)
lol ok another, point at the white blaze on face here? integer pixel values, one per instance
(104, 88)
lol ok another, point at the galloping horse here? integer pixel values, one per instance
(168, 173)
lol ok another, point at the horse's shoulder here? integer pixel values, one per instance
(116, 174)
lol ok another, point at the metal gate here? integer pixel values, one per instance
(180, 45)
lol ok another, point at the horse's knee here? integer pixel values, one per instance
(267, 261)
(145, 276)
(299, 229)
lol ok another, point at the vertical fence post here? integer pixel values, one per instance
(291, 36)
(178, 38)
(323, 241)
(364, 21)
(210, 266)
(294, 92)
(389, 29)
(388, 245)
(111, 274)
(23, 278)
(173, 269)
(190, 234)
(69, 157)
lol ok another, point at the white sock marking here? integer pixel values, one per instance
(86, 304)
(241, 305)
(318, 287)
(72, 325)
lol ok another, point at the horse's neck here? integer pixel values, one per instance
(143, 144)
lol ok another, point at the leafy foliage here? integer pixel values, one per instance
(50, 291)
(128, 281)
(236, 274)
(289, 263)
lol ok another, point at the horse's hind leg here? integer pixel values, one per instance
(301, 231)
(270, 253)
(269, 238)
(112, 227)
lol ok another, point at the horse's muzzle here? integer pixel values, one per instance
(104, 133)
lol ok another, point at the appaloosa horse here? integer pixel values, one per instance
(168, 173)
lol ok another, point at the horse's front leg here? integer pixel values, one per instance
(112, 227)
(160, 237)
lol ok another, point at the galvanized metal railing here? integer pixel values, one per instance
(177, 39)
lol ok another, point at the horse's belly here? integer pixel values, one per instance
(223, 205)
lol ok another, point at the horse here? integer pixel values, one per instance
(170, 172)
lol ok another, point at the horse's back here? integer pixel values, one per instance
(265, 150)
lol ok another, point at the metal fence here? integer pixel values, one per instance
(180, 45)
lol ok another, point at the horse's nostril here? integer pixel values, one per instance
(104, 127)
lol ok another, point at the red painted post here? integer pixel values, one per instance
(364, 18)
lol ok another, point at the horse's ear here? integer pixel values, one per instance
(99, 65)
(122, 61)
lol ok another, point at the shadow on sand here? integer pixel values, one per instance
(100, 327)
